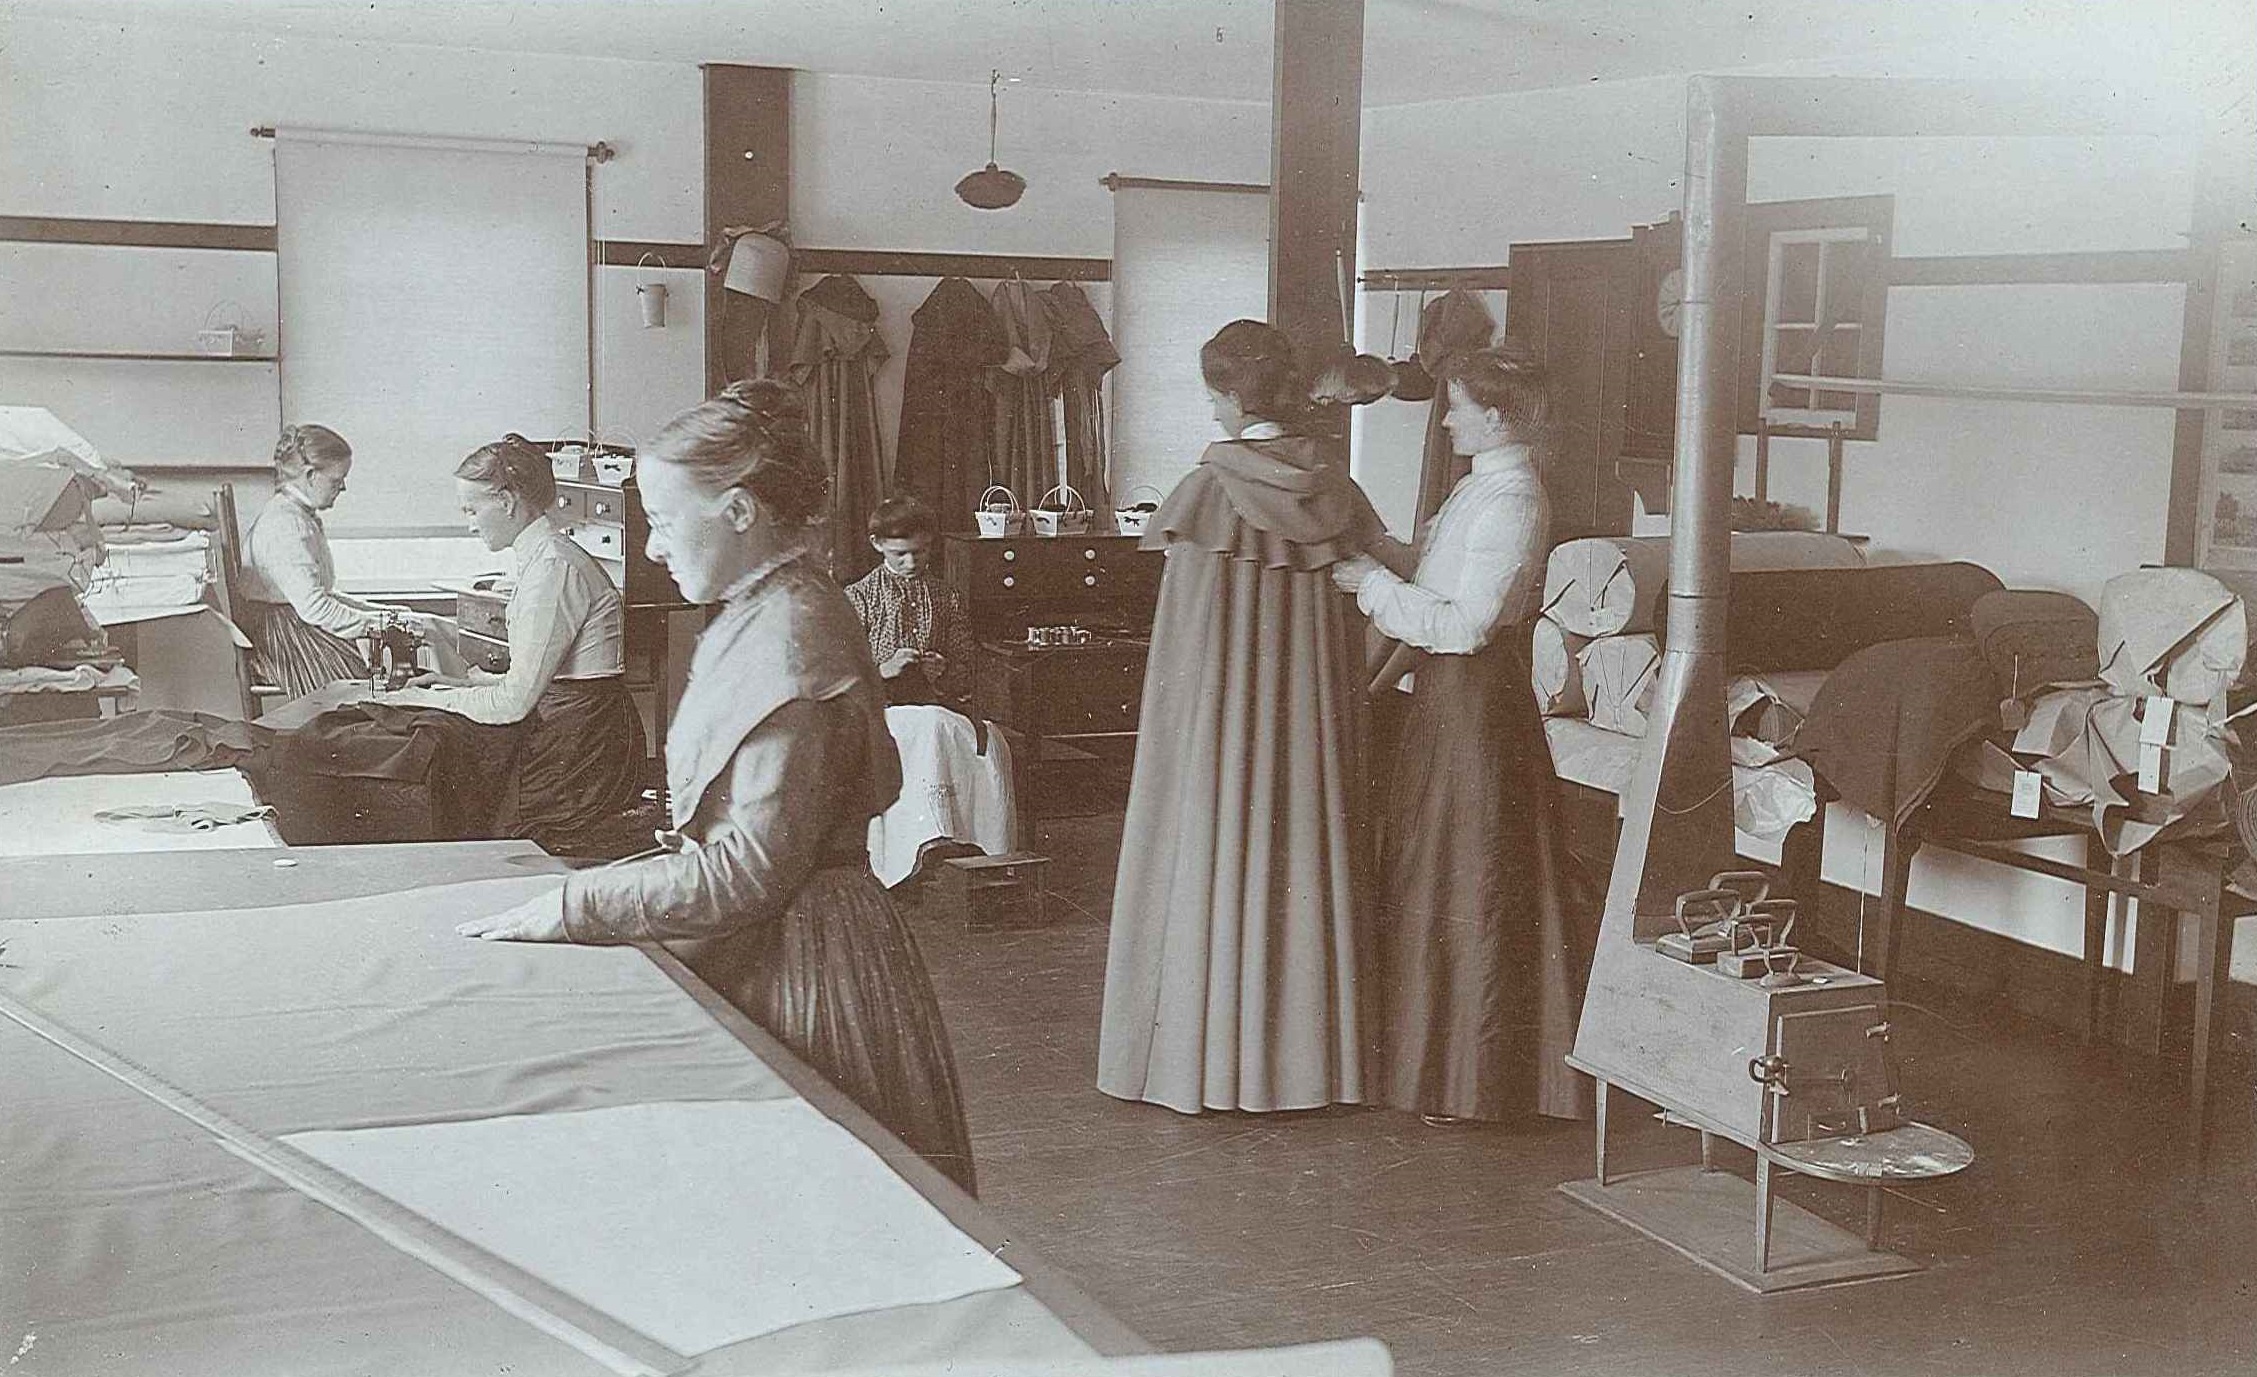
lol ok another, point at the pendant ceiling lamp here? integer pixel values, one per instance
(991, 188)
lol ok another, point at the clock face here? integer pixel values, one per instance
(1669, 300)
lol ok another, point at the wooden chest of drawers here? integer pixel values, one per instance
(1078, 690)
(609, 523)
(1103, 582)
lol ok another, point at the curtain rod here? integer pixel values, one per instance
(1114, 181)
(599, 152)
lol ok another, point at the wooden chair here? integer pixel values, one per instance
(227, 570)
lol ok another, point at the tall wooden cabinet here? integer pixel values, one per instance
(1571, 304)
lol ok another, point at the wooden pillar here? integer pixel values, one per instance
(748, 142)
(1316, 124)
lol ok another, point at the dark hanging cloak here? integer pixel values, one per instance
(1452, 323)
(1026, 443)
(1081, 354)
(947, 414)
(836, 351)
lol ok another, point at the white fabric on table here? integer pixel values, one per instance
(697, 1224)
(949, 792)
(55, 816)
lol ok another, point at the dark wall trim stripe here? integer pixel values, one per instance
(2158, 265)
(629, 253)
(895, 263)
(1497, 278)
(153, 234)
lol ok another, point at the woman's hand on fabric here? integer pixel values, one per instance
(892, 666)
(935, 663)
(538, 919)
(432, 678)
(1349, 574)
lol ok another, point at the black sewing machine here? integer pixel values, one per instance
(390, 648)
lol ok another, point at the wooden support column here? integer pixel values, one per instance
(1316, 123)
(748, 142)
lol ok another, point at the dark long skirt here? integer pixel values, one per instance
(581, 766)
(839, 980)
(293, 655)
(1485, 925)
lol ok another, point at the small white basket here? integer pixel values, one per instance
(1002, 517)
(1133, 517)
(1070, 517)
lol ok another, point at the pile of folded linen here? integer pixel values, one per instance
(1595, 657)
(2133, 721)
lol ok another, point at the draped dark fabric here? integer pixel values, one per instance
(374, 772)
(1452, 323)
(129, 744)
(1486, 924)
(1026, 443)
(580, 768)
(1081, 354)
(947, 441)
(836, 351)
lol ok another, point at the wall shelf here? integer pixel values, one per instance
(124, 355)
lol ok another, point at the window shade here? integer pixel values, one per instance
(434, 298)
(1186, 262)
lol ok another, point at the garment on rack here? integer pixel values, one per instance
(1453, 323)
(836, 350)
(1231, 978)
(1026, 443)
(947, 439)
(1081, 354)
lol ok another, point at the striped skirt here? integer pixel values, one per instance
(292, 655)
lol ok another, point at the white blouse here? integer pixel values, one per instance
(566, 621)
(1482, 567)
(286, 560)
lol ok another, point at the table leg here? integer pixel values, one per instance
(1762, 1212)
(2213, 953)
(2154, 954)
(1896, 880)
(1873, 1218)
(1599, 1117)
(2097, 904)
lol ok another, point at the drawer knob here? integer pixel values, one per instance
(1090, 579)
(1009, 582)
(1009, 555)
(563, 500)
(602, 508)
(1089, 554)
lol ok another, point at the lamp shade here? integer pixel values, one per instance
(759, 266)
(991, 188)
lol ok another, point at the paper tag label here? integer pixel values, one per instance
(2151, 767)
(2155, 720)
(2012, 715)
(2028, 792)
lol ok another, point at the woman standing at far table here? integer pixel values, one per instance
(1481, 957)
(582, 761)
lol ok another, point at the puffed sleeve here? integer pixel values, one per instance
(1503, 552)
(784, 789)
(551, 603)
(287, 554)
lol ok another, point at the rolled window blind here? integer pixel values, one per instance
(434, 297)
(1186, 262)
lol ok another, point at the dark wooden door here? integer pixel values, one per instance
(1570, 304)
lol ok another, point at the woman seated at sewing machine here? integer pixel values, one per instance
(582, 760)
(956, 773)
(304, 633)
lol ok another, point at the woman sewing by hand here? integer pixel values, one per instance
(777, 759)
(582, 759)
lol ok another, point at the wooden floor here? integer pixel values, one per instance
(2080, 1243)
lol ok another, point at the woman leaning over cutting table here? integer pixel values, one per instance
(777, 760)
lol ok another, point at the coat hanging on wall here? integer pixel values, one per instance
(1455, 322)
(1081, 354)
(1025, 458)
(836, 351)
(947, 413)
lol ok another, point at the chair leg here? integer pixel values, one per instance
(1599, 1117)
(1762, 1212)
(1896, 880)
